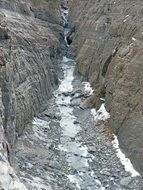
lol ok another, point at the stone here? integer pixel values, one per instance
(124, 51)
(76, 122)
(125, 181)
(66, 93)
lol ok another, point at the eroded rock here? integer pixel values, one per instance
(108, 46)
(29, 58)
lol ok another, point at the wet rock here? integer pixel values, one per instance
(77, 91)
(72, 139)
(66, 93)
(77, 95)
(76, 122)
(64, 105)
(53, 116)
(88, 102)
(92, 149)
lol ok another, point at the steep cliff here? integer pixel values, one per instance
(30, 35)
(108, 44)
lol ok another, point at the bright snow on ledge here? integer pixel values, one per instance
(102, 115)
(125, 161)
(87, 88)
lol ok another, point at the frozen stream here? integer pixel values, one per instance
(77, 154)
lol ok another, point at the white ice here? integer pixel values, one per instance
(75, 180)
(101, 114)
(125, 161)
(61, 147)
(88, 89)
(65, 59)
(134, 39)
(66, 84)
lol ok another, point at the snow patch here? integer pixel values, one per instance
(126, 17)
(66, 11)
(102, 99)
(125, 161)
(61, 147)
(92, 173)
(29, 165)
(66, 41)
(134, 39)
(88, 89)
(101, 114)
(85, 151)
(17, 185)
(65, 59)
(74, 179)
(64, 15)
(66, 84)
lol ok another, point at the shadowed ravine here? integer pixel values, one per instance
(66, 147)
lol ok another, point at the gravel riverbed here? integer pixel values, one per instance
(64, 148)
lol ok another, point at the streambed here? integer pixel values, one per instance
(65, 148)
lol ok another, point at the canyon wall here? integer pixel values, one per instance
(30, 35)
(107, 40)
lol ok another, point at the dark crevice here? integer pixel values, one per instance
(107, 62)
(69, 41)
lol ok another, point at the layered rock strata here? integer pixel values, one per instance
(108, 44)
(30, 35)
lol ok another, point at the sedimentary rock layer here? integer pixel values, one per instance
(108, 43)
(30, 35)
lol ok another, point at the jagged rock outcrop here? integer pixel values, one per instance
(108, 43)
(30, 35)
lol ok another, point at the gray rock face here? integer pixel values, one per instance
(108, 45)
(29, 57)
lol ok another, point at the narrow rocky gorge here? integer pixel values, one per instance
(52, 137)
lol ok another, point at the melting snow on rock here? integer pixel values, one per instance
(125, 161)
(102, 114)
(88, 89)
